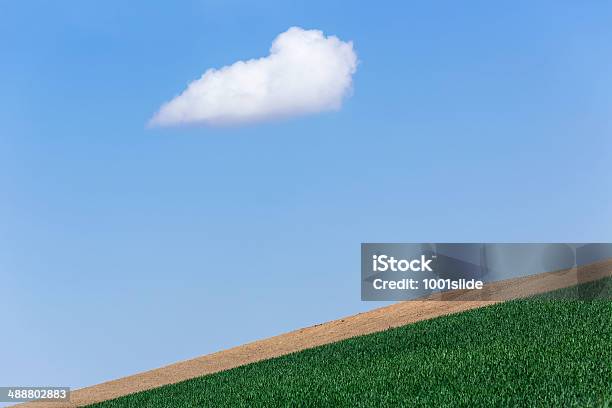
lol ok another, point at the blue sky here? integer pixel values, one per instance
(124, 248)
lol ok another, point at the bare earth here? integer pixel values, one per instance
(398, 314)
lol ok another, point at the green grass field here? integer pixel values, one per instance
(524, 353)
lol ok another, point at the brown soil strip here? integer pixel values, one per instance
(398, 314)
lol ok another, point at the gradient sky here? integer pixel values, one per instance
(124, 248)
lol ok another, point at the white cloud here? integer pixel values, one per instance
(305, 72)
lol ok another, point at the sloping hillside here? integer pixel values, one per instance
(396, 315)
(529, 352)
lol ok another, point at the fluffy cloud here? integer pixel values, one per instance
(305, 72)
